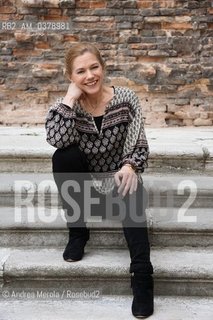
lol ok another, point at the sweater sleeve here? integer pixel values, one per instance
(136, 149)
(60, 125)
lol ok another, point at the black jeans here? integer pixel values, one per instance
(71, 162)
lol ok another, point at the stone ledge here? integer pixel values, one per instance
(104, 308)
(164, 230)
(109, 270)
(161, 219)
(189, 148)
(168, 262)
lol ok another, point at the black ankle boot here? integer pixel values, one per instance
(74, 250)
(143, 301)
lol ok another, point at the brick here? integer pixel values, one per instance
(151, 26)
(150, 12)
(165, 3)
(158, 19)
(42, 45)
(67, 3)
(70, 38)
(162, 88)
(210, 115)
(158, 53)
(5, 9)
(23, 36)
(98, 4)
(128, 18)
(178, 26)
(131, 12)
(204, 115)
(181, 114)
(55, 18)
(54, 12)
(10, 17)
(183, 19)
(147, 59)
(122, 4)
(188, 122)
(171, 12)
(144, 4)
(202, 122)
(134, 39)
(6, 51)
(139, 46)
(124, 25)
(108, 12)
(32, 3)
(107, 19)
(146, 33)
(182, 102)
(51, 3)
(193, 4)
(23, 53)
(87, 19)
(159, 108)
(83, 4)
(6, 3)
(37, 11)
(41, 73)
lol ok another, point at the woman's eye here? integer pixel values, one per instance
(80, 71)
(95, 67)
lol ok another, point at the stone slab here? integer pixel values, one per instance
(105, 308)
(164, 189)
(26, 149)
(179, 271)
(167, 227)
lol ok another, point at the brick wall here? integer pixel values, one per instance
(161, 48)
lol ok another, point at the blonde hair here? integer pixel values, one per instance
(76, 51)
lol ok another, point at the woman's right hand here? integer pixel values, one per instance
(73, 94)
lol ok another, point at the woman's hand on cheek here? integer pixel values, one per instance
(126, 180)
(74, 91)
(73, 94)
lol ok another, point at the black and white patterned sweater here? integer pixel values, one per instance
(120, 140)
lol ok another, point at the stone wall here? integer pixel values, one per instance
(161, 48)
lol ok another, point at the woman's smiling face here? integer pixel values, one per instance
(87, 73)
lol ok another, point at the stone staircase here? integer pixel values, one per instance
(179, 182)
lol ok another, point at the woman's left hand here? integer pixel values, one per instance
(126, 180)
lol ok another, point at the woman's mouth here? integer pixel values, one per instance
(92, 83)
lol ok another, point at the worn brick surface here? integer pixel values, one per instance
(160, 48)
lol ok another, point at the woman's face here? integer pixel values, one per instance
(87, 73)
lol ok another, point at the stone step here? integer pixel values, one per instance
(171, 149)
(178, 271)
(103, 307)
(164, 190)
(43, 227)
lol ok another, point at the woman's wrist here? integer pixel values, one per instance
(68, 101)
(130, 166)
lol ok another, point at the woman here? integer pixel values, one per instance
(98, 129)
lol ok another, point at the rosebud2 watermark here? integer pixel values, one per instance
(40, 200)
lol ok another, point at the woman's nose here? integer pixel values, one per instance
(89, 74)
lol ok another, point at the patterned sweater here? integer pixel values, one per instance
(120, 140)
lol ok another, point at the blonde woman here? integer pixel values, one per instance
(98, 128)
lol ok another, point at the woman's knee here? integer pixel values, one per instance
(70, 159)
